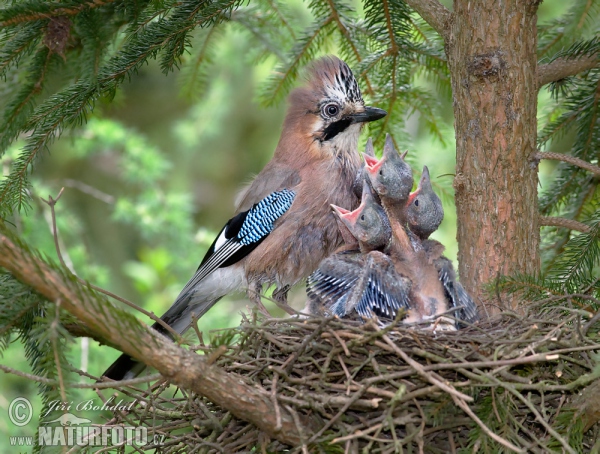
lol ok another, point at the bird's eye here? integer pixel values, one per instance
(331, 110)
(362, 218)
(381, 172)
(416, 202)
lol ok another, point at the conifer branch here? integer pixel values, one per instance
(434, 13)
(346, 34)
(569, 159)
(388, 24)
(182, 367)
(552, 221)
(73, 11)
(51, 202)
(565, 67)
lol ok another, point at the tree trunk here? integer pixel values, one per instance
(491, 49)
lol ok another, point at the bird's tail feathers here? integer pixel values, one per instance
(179, 317)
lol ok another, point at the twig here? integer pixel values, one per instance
(89, 190)
(53, 340)
(430, 377)
(590, 323)
(343, 410)
(106, 384)
(51, 202)
(342, 343)
(537, 415)
(569, 159)
(434, 13)
(69, 11)
(565, 67)
(571, 224)
(275, 403)
(485, 428)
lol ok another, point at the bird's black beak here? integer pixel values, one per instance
(369, 114)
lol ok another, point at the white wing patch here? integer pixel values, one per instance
(220, 240)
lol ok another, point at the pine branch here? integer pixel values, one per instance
(565, 67)
(303, 51)
(574, 267)
(18, 44)
(346, 34)
(184, 368)
(434, 13)
(552, 221)
(50, 11)
(580, 20)
(580, 111)
(69, 107)
(390, 29)
(569, 159)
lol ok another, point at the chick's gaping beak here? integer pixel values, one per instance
(372, 164)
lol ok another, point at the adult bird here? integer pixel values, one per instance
(283, 225)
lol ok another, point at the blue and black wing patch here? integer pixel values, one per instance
(330, 285)
(469, 311)
(455, 292)
(351, 282)
(243, 233)
(385, 291)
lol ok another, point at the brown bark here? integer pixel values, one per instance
(434, 13)
(570, 224)
(565, 67)
(586, 405)
(569, 159)
(182, 367)
(491, 53)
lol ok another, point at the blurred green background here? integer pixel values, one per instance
(153, 175)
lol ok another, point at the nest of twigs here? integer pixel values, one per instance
(498, 386)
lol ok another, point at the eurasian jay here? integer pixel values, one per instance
(391, 177)
(424, 210)
(283, 226)
(424, 214)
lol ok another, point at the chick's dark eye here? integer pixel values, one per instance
(362, 218)
(331, 110)
(417, 202)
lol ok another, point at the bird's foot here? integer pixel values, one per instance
(254, 294)
(443, 324)
(280, 298)
(261, 307)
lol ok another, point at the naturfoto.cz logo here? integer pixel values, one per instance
(68, 429)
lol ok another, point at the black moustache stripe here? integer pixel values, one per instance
(335, 128)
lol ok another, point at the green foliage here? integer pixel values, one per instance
(571, 259)
(164, 35)
(226, 337)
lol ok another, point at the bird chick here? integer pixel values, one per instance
(391, 177)
(361, 176)
(364, 281)
(424, 214)
(368, 223)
